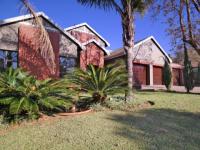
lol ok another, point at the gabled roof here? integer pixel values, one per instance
(90, 28)
(121, 52)
(44, 16)
(98, 44)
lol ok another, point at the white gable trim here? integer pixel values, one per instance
(152, 38)
(87, 25)
(42, 14)
(98, 44)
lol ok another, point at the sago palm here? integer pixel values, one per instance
(100, 82)
(127, 10)
(24, 95)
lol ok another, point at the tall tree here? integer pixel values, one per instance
(188, 73)
(127, 10)
(182, 17)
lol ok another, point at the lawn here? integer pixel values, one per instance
(172, 123)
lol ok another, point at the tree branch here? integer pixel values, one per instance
(196, 5)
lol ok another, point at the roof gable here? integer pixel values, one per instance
(97, 43)
(90, 28)
(39, 14)
(120, 52)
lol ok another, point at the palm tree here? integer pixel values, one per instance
(127, 10)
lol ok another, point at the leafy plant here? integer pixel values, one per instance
(23, 96)
(98, 83)
(167, 75)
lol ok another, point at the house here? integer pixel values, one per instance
(77, 46)
(194, 57)
(149, 59)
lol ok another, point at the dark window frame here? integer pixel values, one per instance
(67, 71)
(6, 55)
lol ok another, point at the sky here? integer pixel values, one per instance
(107, 23)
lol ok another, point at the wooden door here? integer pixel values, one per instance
(140, 72)
(157, 75)
(176, 77)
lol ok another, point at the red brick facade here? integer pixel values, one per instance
(92, 55)
(30, 58)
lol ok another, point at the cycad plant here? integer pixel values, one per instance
(100, 82)
(24, 96)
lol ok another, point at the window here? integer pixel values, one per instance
(8, 59)
(67, 64)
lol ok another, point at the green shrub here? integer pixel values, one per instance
(98, 83)
(198, 75)
(167, 75)
(24, 97)
(188, 73)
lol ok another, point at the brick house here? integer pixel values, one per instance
(77, 46)
(149, 58)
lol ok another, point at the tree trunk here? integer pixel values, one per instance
(128, 42)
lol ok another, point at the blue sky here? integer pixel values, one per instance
(68, 12)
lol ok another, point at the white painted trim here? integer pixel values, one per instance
(87, 25)
(29, 16)
(98, 44)
(152, 38)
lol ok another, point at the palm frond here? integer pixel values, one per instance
(47, 51)
(101, 81)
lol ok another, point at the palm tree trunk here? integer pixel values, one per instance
(128, 41)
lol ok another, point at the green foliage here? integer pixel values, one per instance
(25, 97)
(136, 5)
(167, 75)
(100, 82)
(198, 75)
(188, 73)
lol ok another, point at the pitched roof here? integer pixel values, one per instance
(98, 44)
(44, 16)
(89, 27)
(120, 52)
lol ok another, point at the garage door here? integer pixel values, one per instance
(157, 75)
(140, 72)
(176, 77)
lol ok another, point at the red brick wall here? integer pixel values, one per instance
(30, 58)
(83, 37)
(92, 55)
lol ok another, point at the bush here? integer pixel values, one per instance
(167, 75)
(24, 97)
(98, 83)
(188, 73)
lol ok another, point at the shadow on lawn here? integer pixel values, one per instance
(160, 128)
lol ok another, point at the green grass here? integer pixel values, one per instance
(172, 123)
